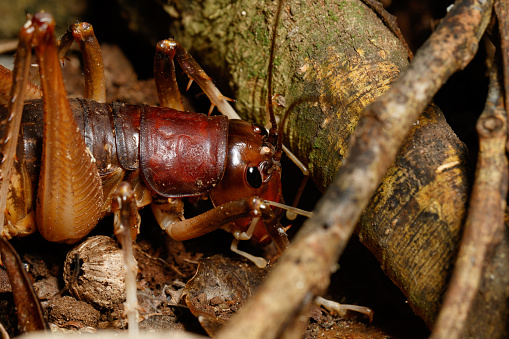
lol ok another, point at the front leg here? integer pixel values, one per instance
(70, 195)
(169, 216)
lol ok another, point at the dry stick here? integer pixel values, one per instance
(28, 308)
(304, 269)
(485, 220)
(126, 219)
(501, 10)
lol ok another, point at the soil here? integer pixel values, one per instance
(168, 296)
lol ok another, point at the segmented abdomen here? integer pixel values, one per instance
(180, 154)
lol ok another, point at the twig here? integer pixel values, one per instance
(304, 269)
(485, 221)
(30, 316)
(128, 220)
(501, 10)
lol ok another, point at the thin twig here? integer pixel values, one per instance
(304, 269)
(485, 221)
(502, 12)
(127, 216)
(29, 311)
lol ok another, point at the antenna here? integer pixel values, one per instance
(273, 129)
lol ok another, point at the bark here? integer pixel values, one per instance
(413, 222)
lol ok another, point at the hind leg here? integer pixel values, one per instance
(11, 127)
(70, 193)
(32, 91)
(83, 34)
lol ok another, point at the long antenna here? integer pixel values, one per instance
(279, 143)
(273, 129)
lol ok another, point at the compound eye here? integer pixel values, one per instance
(260, 130)
(254, 177)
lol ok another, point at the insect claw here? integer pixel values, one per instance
(278, 100)
(340, 309)
(189, 85)
(63, 60)
(262, 239)
(211, 109)
(226, 98)
(258, 261)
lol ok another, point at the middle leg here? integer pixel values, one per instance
(167, 88)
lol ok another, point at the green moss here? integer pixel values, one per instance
(333, 16)
(259, 30)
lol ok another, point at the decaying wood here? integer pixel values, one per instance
(304, 269)
(413, 221)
